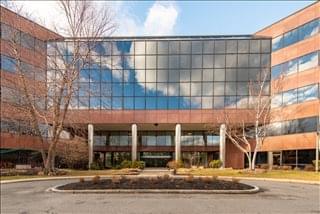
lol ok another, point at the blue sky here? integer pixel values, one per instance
(218, 17)
(142, 18)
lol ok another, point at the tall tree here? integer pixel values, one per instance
(82, 19)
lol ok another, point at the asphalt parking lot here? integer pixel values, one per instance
(275, 197)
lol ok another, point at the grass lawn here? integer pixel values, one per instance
(72, 173)
(280, 174)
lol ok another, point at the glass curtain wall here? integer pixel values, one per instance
(182, 73)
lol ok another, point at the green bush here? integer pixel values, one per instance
(175, 164)
(215, 164)
(138, 164)
(314, 162)
(125, 164)
(96, 166)
(130, 164)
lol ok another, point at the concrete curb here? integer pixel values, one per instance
(274, 180)
(171, 191)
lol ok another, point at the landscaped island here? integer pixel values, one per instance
(160, 183)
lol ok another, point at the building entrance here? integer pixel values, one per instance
(156, 159)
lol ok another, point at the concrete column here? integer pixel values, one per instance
(270, 159)
(134, 144)
(178, 142)
(90, 143)
(222, 145)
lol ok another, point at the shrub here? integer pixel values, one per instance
(138, 164)
(309, 167)
(115, 179)
(175, 164)
(125, 164)
(264, 166)
(214, 177)
(215, 164)
(96, 179)
(130, 164)
(314, 162)
(286, 167)
(96, 166)
(81, 180)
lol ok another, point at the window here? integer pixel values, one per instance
(185, 47)
(276, 101)
(307, 93)
(309, 29)
(231, 60)
(219, 46)
(277, 43)
(290, 37)
(307, 124)
(243, 46)
(163, 47)
(213, 140)
(219, 61)
(208, 47)
(232, 46)
(139, 48)
(196, 47)
(8, 63)
(290, 97)
(290, 67)
(308, 61)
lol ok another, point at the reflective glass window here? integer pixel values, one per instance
(307, 93)
(290, 97)
(185, 47)
(307, 124)
(218, 102)
(163, 61)
(219, 46)
(196, 47)
(207, 75)
(231, 60)
(207, 88)
(8, 63)
(208, 47)
(195, 89)
(243, 46)
(151, 76)
(139, 103)
(195, 102)
(196, 61)
(196, 75)
(173, 47)
(231, 74)
(213, 140)
(219, 61)
(128, 103)
(173, 102)
(243, 74)
(276, 101)
(277, 43)
(265, 46)
(174, 76)
(219, 74)
(290, 37)
(207, 102)
(140, 47)
(218, 88)
(276, 71)
(151, 47)
(254, 60)
(255, 46)
(242, 88)
(151, 103)
(232, 46)
(208, 61)
(151, 62)
(185, 61)
(309, 29)
(290, 67)
(243, 60)
(184, 89)
(308, 61)
(174, 61)
(163, 47)
(231, 88)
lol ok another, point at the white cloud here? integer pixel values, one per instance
(161, 19)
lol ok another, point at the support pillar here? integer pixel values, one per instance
(134, 143)
(270, 159)
(178, 142)
(90, 143)
(222, 145)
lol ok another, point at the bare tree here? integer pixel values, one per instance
(248, 134)
(82, 20)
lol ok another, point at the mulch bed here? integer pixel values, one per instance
(156, 183)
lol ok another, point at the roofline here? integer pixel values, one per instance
(294, 13)
(184, 37)
(29, 20)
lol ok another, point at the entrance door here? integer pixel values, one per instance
(156, 159)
